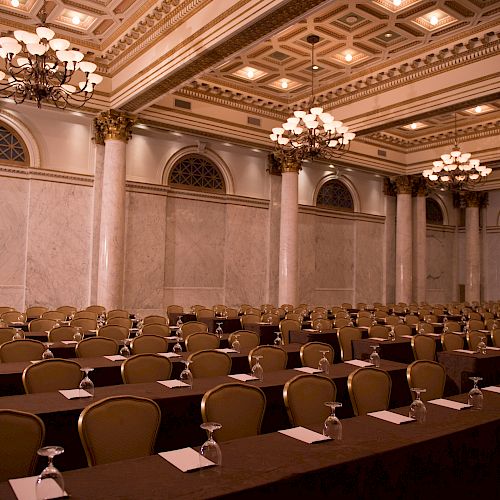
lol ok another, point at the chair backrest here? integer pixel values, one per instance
(149, 344)
(13, 317)
(452, 341)
(147, 367)
(369, 390)
(453, 326)
(156, 329)
(35, 311)
(205, 313)
(274, 358)
(96, 346)
(392, 320)
(495, 337)
(231, 312)
(218, 309)
(193, 327)
(50, 375)
(253, 310)
(345, 336)
(318, 315)
(341, 322)
(310, 353)
(380, 331)
(119, 428)
(97, 309)
(201, 341)
(305, 397)
(401, 330)
(475, 315)
(208, 363)
(238, 407)
(248, 319)
(427, 375)
(272, 319)
(155, 319)
(476, 324)
(118, 313)
(68, 310)
(427, 327)
(4, 309)
(55, 315)
(85, 315)
(473, 339)
(174, 309)
(289, 325)
(21, 435)
(424, 347)
(364, 321)
(322, 324)
(41, 325)
(294, 316)
(86, 324)
(6, 335)
(120, 321)
(21, 350)
(346, 305)
(248, 339)
(411, 319)
(116, 332)
(61, 333)
(364, 314)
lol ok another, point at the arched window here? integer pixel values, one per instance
(433, 212)
(335, 194)
(12, 147)
(198, 173)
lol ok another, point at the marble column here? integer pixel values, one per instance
(96, 219)
(472, 201)
(117, 130)
(403, 240)
(419, 242)
(289, 217)
(390, 241)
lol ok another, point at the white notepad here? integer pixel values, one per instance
(407, 336)
(493, 348)
(389, 416)
(171, 337)
(243, 377)
(227, 350)
(304, 435)
(171, 384)
(492, 388)
(115, 357)
(378, 339)
(186, 459)
(309, 330)
(465, 351)
(69, 342)
(433, 334)
(308, 369)
(75, 393)
(25, 488)
(358, 362)
(454, 405)
(169, 354)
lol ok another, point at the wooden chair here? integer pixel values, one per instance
(51, 375)
(345, 336)
(424, 347)
(21, 350)
(369, 390)
(96, 346)
(273, 357)
(310, 353)
(427, 375)
(146, 367)
(209, 363)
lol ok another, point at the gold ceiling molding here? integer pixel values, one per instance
(284, 14)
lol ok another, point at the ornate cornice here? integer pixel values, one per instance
(114, 125)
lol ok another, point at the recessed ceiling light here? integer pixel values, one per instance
(413, 126)
(348, 57)
(315, 68)
(75, 20)
(250, 73)
(434, 20)
(396, 3)
(388, 35)
(14, 3)
(284, 84)
(478, 109)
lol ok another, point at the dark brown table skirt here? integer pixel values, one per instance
(228, 325)
(452, 455)
(181, 416)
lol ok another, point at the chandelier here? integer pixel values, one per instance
(312, 133)
(456, 171)
(40, 67)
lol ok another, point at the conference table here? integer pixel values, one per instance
(181, 415)
(451, 455)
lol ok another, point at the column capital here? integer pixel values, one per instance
(419, 186)
(472, 199)
(389, 187)
(97, 128)
(403, 184)
(114, 125)
(273, 165)
(288, 163)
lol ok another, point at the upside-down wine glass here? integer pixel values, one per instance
(418, 410)
(210, 449)
(18, 335)
(278, 340)
(481, 346)
(392, 334)
(218, 330)
(257, 370)
(86, 384)
(324, 364)
(125, 350)
(47, 354)
(475, 395)
(78, 336)
(236, 343)
(186, 376)
(177, 349)
(50, 483)
(332, 426)
(374, 356)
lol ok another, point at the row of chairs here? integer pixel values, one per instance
(238, 407)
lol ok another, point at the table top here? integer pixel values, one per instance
(374, 457)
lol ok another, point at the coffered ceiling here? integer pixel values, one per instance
(396, 70)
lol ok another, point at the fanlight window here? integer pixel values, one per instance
(12, 148)
(433, 212)
(198, 173)
(334, 194)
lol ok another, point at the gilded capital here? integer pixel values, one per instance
(98, 132)
(403, 184)
(290, 164)
(273, 165)
(115, 125)
(419, 186)
(474, 198)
